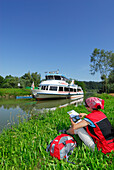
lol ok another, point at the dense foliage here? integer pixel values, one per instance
(24, 146)
(92, 85)
(103, 61)
(20, 82)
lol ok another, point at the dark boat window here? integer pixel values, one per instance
(46, 87)
(66, 89)
(53, 88)
(49, 78)
(60, 88)
(74, 90)
(43, 87)
(64, 78)
(78, 89)
(71, 89)
(57, 77)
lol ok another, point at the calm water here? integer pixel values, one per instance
(12, 110)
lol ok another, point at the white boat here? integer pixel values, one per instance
(56, 86)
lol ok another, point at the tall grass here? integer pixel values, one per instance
(14, 91)
(24, 146)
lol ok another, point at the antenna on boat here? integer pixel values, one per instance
(57, 71)
(52, 72)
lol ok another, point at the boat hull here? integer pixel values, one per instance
(43, 96)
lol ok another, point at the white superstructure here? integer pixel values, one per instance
(56, 86)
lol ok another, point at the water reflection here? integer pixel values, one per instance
(11, 110)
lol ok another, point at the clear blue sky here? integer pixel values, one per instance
(46, 35)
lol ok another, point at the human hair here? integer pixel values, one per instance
(98, 107)
(86, 104)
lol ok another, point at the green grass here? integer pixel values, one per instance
(14, 91)
(24, 146)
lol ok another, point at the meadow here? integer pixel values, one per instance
(14, 92)
(23, 146)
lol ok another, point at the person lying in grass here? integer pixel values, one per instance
(98, 128)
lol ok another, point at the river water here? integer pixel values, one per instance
(13, 110)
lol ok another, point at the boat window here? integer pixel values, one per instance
(66, 89)
(49, 77)
(43, 87)
(74, 90)
(71, 89)
(60, 88)
(53, 88)
(78, 89)
(57, 78)
(63, 78)
(46, 87)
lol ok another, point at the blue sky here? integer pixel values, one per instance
(46, 35)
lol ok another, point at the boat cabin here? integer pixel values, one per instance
(59, 88)
(56, 77)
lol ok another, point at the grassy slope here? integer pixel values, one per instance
(14, 91)
(23, 147)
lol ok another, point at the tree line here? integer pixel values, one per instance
(100, 60)
(20, 82)
(27, 79)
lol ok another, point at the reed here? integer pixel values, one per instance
(24, 146)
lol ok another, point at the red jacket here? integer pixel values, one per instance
(102, 132)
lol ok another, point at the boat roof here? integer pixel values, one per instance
(56, 74)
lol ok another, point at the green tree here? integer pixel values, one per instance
(27, 79)
(103, 78)
(112, 61)
(36, 78)
(111, 77)
(10, 82)
(6, 83)
(101, 61)
(111, 82)
(81, 84)
(91, 85)
(26, 76)
(1, 81)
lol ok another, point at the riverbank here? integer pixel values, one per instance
(112, 94)
(24, 146)
(13, 92)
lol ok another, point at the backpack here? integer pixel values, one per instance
(61, 146)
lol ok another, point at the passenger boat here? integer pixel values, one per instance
(56, 86)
